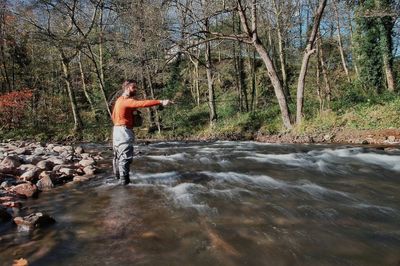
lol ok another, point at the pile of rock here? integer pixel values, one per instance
(29, 168)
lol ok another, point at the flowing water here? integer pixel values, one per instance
(225, 203)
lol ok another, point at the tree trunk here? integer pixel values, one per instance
(252, 33)
(253, 79)
(67, 78)
(276, 84)
(84, 86)
(386, 49)
(210, 82)
(328, 93)
(156, 114)
(304, 65)
(340, 44)
(281, 51)
(352, 45)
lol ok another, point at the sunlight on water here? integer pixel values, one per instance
(225, 203)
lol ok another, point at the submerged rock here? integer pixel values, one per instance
(32, 221)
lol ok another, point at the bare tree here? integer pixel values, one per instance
(309, 50)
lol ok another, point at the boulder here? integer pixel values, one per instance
(9, 165)
(86, 162)
(22, 151)
(31, 174)
(4, 215)
(32, 221)
(85, 156)
(26, 167)
(32, 159)
(56, 161)
(45, 165)
(45, 183)
(89, 170)
(66, 171)
(79, 150)
(39, 151)
(26, 189)
(391, 139)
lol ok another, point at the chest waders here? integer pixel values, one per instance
(123, 139)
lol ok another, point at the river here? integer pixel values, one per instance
(224, 203)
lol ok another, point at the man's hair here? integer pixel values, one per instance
(128, 82)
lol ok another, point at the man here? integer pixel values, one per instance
(123, 135)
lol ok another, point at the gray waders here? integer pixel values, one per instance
(123, 139)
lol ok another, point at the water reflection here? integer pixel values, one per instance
(226, 203)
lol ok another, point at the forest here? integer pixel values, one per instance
(234, 69)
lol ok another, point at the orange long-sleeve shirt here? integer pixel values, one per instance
(123, 108)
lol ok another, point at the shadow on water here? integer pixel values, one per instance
(225, 203)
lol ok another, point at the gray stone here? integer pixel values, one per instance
(45, 183)
(9, 165)
(85, 155)
(57, 161)
(24, 151)
(32, 221)
(39, 151)
(33, 159)
(67, 171)
(45, 165)
(79, 150)
(81, 178)
(89, 170)
(27, 167)
(86, 162)
(31, 174)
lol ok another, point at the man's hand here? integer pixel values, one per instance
(166, 102)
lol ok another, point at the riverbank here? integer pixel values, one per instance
(30, 168)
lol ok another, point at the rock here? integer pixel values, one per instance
(79, 150)
(32, 221)
(85, 155)
(45, 165)
(86, 162)
(7, 184)
(365, 142)
(45, 183)
(39, 151)
(67, 171)
(9, 165)
(81, 178)
(56, 161)
(328, 137)
(61, 149)
(4, 215)
(20, 262)
(89, 170)
(31, 174)
(26, 189)
(27, 167)
(32, 159)
(391, 139)
(22, 151)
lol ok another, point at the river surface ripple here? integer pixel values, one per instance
(224, 203)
